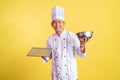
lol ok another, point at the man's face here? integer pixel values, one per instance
(58, 25)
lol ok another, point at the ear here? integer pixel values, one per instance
(51, 23)
(63, 23)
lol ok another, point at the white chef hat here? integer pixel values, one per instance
(58, 13)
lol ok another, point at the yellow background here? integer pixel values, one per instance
(26, 23)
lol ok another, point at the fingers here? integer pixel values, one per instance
(81, 39)
(84, 40)
(43, 57)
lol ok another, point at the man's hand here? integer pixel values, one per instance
(43, 57)
(83, 41)
(82, 44)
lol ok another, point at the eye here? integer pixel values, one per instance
(53, 22)
(60, 22)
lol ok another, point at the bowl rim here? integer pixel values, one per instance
(86, 31)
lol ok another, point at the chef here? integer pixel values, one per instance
(64, 44)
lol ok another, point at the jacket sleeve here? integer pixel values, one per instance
(46, 59)
(76, 45)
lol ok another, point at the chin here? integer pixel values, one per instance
(58, 30)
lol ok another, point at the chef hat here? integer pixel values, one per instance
(58, 13)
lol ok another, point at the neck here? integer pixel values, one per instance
(59, 32)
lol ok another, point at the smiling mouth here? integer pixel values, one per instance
(57, 27)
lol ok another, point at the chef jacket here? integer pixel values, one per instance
(63, 55)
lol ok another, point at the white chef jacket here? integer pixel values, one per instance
(63, 55)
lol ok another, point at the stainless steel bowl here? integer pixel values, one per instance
(85, 34)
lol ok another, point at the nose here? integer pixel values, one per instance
(57, 24)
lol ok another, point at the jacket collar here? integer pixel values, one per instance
(62, 34)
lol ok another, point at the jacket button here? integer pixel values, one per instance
(64, 55)
(55, 39)
(64, 47)
(55, 48)
(66, 74)
(65, 65)
(57, 65)
(63, 38)
(56, 57)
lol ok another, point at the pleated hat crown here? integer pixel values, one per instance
(58, 13)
